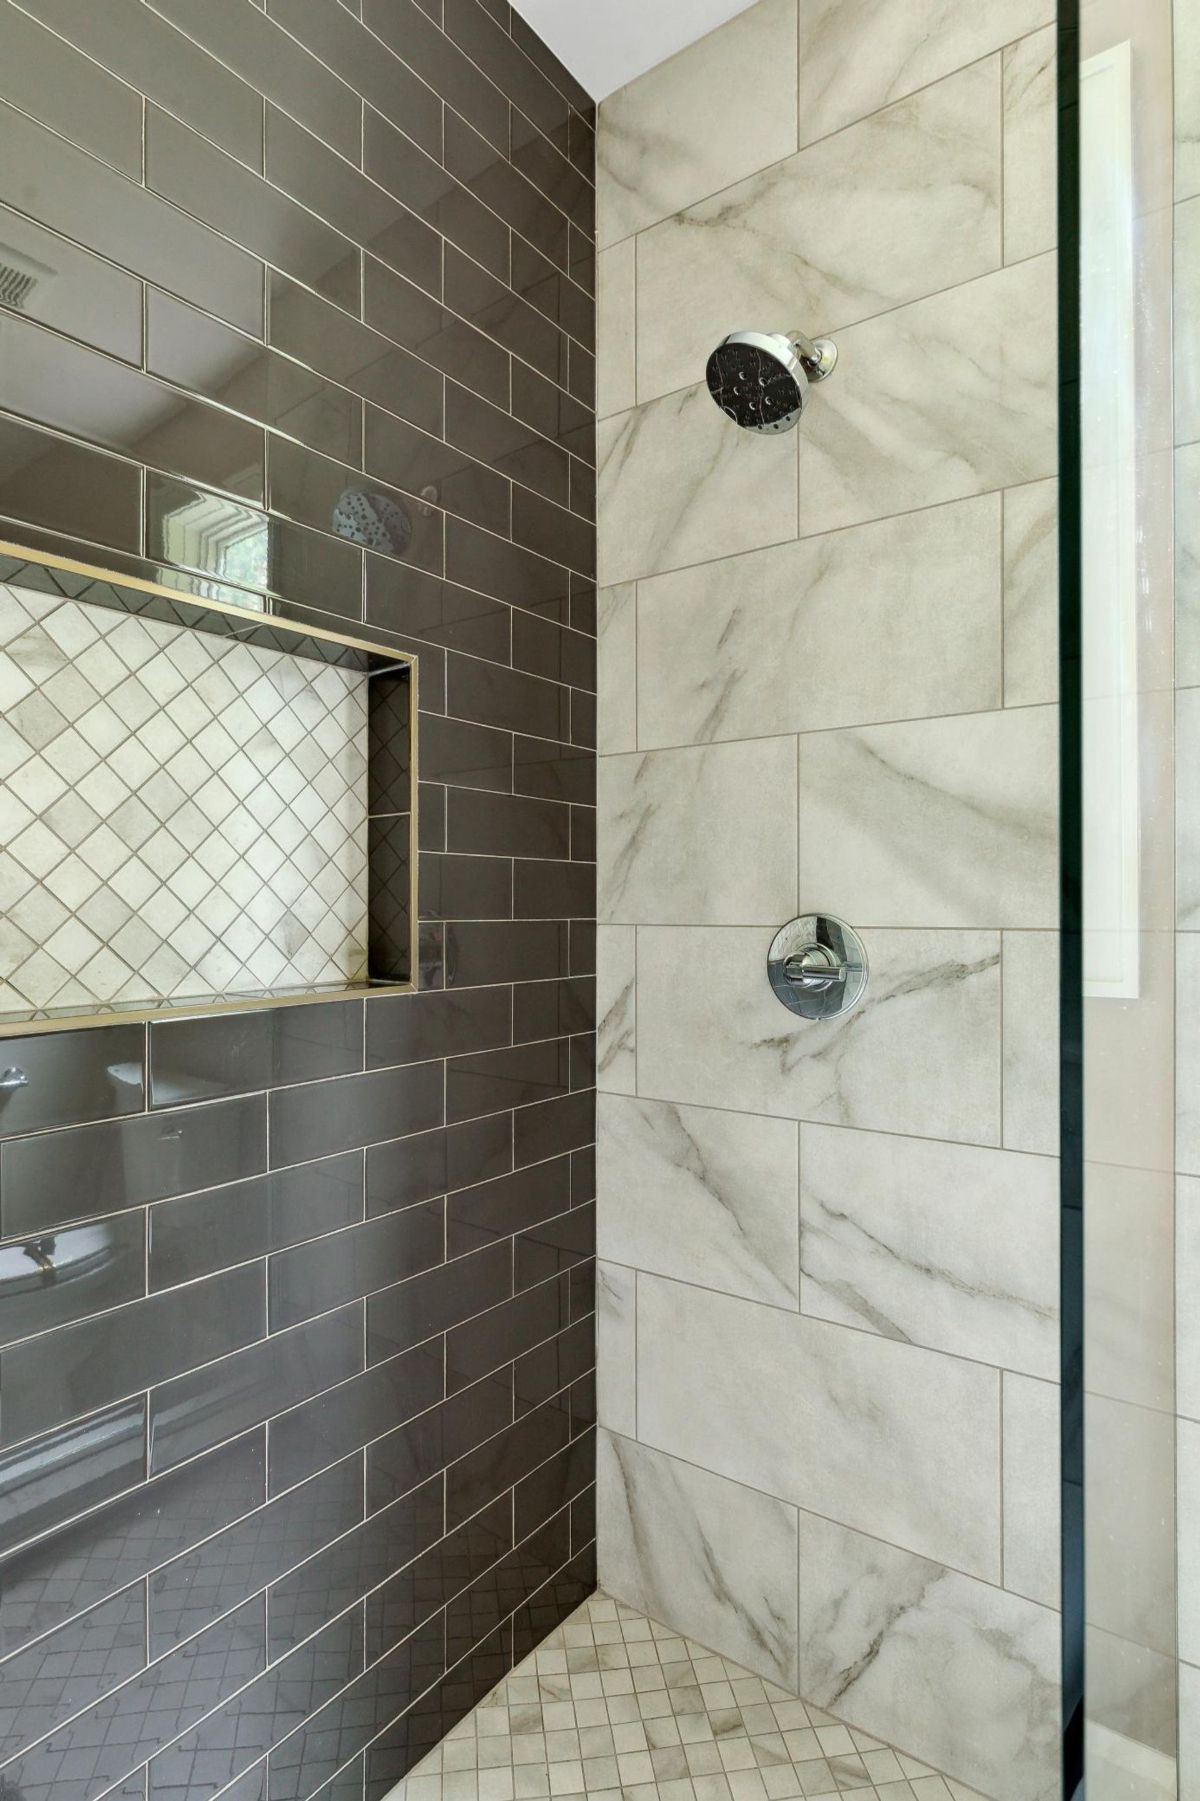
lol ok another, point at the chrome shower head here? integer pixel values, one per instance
(760, 379)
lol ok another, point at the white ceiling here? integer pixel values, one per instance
(605, 43)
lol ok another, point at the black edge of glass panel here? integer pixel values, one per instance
(1071, 1071)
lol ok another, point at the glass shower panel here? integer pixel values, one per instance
(1130, 951)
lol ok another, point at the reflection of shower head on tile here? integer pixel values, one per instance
(760, 379)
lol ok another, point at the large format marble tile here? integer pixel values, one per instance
(910, 1651)
(616, 1348)
(699, 836)
(1187, 565)
(893, 1440)
(1031, 594)
(1187, 810)
(952, 395)
(616, 330)
(616, 1009)
(943, 1245)
(1031, 1115)
(679, 484)
(718, 110)
(895, 619)
(1187, 1054)
(616, 672)
(1187, 1286)
(1131, 1522)
(1032, 1488)
(1030, 145)
(1133, 1691)
(934, 822)
(701, 1194)
(899, 205)
(1186, 22)
(857, 55)
(920, 1054)
(1129, 1254)
(711, 1558)
(1188, 1453)
(1187, 321)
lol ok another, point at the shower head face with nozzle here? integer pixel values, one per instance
(760, 380)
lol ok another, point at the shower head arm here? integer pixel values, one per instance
(816, 356)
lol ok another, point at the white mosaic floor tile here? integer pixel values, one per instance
(616, 1707)
(242, 846)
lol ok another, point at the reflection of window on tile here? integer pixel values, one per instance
(209, 532)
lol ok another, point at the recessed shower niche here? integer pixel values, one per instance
(200, 805)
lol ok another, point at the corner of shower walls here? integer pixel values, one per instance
(827, 1286)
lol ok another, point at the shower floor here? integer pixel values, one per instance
(616, 1707)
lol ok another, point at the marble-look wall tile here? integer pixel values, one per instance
(1031, 594)
(1187, 321)
(1188, 1452)
(901, 204)
(717, 111)
(921, 1655)
(857, 55)
(1187, 565)
(616, 377)
(899, 426)
(679, 484)
(938, 822)
(616, 1009)
(680, 845)
(616, 1347)
(943, 1245)
(1187, 1286)
(1132, 1690)
(1187, 1054)
(1186, 21)
(1187, 810)
(1131, 1522)
(1032, 1492)
(1031, 1119)
(898, 618)
(616, 672)
(933, 1005)
(713, 1559)
(1030, 145)
(1130, 1255)
(1189, 1719)
(893, 1440)
(700, 1194)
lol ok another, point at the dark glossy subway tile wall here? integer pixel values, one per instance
(296, 1309)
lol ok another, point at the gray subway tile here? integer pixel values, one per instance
(384, 81)
(92, 1170)
(70, 1669)
(45, 76)
(207, 1405)
(442, 1571)
(136, 44)
(49, 482)
(70, 1079)
(331, 1425)
(421, 324)
(425, 466)
(505, 951)
(346, 1265)
(120, 1542)
(432, 1163)
(480, 560)
(468, 24)
(413, 1028)
(338, 192)
(414, 37)
(413, 1311)
(274, 63)
(511, 1203)
(490, 1081)
(423, 184)
(103, 1743)
(325, 1117)
(187, 170)
(332, 498)
(197, 352)
(545, 163)
(435, 1439)
(489, 174)
(493, 307)
(70, 191)
(55, 382)
(319, 335)
(85, 1366)
(506, 443)
(205, 1583)
(202, 1059)
(82, 295)
(55, 1280)
(49, 1480)
(192, 1236)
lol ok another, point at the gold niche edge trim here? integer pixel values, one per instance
(139, 1013)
